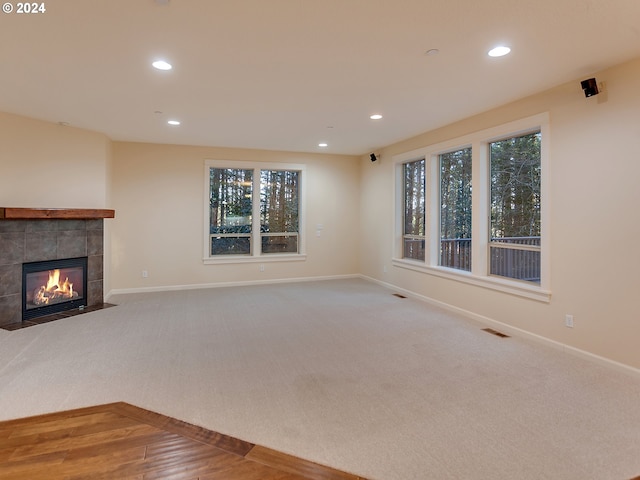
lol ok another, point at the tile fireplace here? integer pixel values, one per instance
(51, 260)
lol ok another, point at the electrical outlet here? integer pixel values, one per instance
(145, 274)
(568, 321)
(262, 267)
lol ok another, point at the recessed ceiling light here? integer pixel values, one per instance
(323, 145)
(162, 65)
(377, 116)
(499, 51)
(173, 122)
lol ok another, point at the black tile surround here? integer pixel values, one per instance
(23, 241)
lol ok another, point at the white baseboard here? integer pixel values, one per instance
(198, 286)
(513, 331)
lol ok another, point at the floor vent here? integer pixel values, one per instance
(398, 295)
(495, 332)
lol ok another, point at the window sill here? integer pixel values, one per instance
(272, 257)
(512, 287)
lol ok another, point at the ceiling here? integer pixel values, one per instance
(289, 74)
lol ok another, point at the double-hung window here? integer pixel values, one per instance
(230, 211)
(455, 209)
(252, 211)
(515, 207)
(413, 235)
(279, 209)
(474, 209)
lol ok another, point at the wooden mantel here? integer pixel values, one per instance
(7, 213)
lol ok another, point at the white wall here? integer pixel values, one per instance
(595, 259)
(158, 194)
(46, 165)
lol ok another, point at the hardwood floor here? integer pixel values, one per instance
(119, 441)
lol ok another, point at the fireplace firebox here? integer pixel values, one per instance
(53, 286)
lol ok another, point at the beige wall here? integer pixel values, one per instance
(595, 259)
(158, 193)
(46, 165)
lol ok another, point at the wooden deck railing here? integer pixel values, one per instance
(508, 258)
(518, 263)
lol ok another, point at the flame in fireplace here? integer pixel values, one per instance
(54, 291)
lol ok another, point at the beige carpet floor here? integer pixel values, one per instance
(338, 372)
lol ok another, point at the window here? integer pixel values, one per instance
(253, 211)
(515, 207)
(279, 211)
(230, 209)
(455, 209)
(414, 210)
(473, 209)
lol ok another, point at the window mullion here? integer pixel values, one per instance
(480, 209)
(545, 258)
(256, 239)
(432, 208)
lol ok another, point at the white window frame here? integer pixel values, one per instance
(256, 256)
(479, 275)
